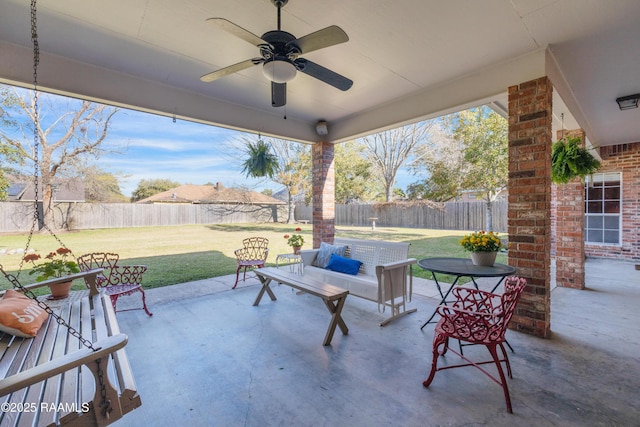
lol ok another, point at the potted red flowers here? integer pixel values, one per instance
(57, 264)
(295, 241)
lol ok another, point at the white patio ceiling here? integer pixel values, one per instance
(409, 59)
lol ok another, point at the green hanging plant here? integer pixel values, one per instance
(570, 160)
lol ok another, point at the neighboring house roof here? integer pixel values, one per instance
(64, 190)
(210, 194)
(16, 190)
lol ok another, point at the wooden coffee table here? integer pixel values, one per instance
(332, 296)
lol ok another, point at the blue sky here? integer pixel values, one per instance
(147, 146)
(186, 152)
(154, 147)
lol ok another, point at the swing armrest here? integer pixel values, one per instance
(89, 275)
(62, 364)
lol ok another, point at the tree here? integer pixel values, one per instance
(470, 153)
(484, 135)
(284, 162)
(294, 171)
(10, 155)
(100, 186)
(66, 130)
(149, 187)
(353, 173)
(441, 164)
(389, 150)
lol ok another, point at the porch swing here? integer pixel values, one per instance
(71, 369)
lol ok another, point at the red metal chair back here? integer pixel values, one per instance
(105, 260)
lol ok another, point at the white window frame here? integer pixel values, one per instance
(603, 177)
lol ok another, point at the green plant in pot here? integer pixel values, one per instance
(569, 160)
(295, 241)
(57, 264)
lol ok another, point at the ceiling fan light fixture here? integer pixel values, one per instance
(279, 71)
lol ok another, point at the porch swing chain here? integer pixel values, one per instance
(36, 137)
(105, 405)
(36, 62)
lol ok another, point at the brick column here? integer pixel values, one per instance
(570, 228)
(324, 204)
(529, 211)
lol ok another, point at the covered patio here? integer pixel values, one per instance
(208, 357)
(546, 65)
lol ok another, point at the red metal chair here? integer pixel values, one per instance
(253, 254)
(478, 317)
(116, 280)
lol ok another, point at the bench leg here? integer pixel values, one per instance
(265, 287)
(335, 308)
(397, 316)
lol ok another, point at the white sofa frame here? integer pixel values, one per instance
(385, 277)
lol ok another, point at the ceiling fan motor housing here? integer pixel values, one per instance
(282, 46)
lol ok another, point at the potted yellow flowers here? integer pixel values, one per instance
(483, 247)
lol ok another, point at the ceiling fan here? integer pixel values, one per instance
(280, 56)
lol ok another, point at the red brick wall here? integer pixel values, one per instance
(569, 228)
(324, 216)
(569, 244)
(529, 213)
(624, 158)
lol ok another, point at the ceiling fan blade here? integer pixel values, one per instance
(320, 39)
(278, 94)
(228, 70)
(324, 74)
(237, 31)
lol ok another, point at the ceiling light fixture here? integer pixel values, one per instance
(628, 102)
(279, 70)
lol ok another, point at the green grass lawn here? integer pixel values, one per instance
(185, 253)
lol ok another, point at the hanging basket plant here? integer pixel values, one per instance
(570, 160)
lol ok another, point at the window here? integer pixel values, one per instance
(602, 209)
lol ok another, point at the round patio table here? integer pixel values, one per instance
(462, 267)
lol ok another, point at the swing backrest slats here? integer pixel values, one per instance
(57, 376)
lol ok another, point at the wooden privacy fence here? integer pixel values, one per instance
(452, 216)
(18, 216)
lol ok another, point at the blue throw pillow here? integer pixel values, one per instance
(343, 265)
(325, 252)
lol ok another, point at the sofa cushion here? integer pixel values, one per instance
(343, 265)
(360, 285)
(325, 252)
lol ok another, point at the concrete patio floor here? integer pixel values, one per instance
(209, 358)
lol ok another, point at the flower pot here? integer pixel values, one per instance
(296, 249)
(60, 290)
(484, 259)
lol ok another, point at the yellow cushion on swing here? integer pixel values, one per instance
(20, 315)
